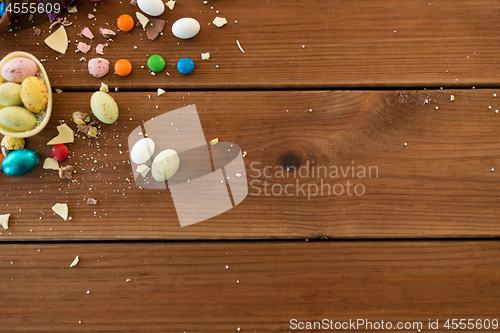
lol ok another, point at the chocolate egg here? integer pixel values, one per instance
(165, 165)
(103, 107)
(19, 162)
(19, 68)
(10, 94)
(151, 7)
(185, 28)
(17, 119)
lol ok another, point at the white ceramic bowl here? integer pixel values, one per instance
(40, 126)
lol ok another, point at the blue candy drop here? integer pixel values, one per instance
(185, 65)
(19, 162)
(2, 8)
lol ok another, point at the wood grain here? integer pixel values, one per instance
(289, 44)
(440, 184)
(193, 287)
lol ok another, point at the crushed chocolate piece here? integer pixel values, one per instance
(133, 2)
(58, 90)
(37, 32)
(66, 172)
(154, 29)
(91, 201)
(90, 130)
(81, 118)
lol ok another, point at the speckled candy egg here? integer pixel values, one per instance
(20, 162)
(34, 94)
(17, 119)
(165, 165)
(17, 69)
(98, 67)
(12, 143)
(10, 94)
(104, 107)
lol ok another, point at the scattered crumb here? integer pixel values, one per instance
(143, 169)
(160, 91)
(91, 201)
(90, 16)
(239, 46)
(214, 141)
(75, 262)
(66, 23)
(244, 153)
(133, 2)
(452, 98)
(37, 32)
(205, 56)
(58, 91)
(72, 9)
(219, 21)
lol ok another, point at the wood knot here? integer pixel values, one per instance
(292, 158)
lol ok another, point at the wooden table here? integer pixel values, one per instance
(408, 89)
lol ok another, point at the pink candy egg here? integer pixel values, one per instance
(17, 69)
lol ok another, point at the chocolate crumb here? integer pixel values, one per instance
(91, 201)
(66, 172)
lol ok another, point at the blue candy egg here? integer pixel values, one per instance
(19, 162)
(185, 65)
(2, 8)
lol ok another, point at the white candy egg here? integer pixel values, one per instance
(151, 7)
(165, 165)
(185, 28)
(142, 151)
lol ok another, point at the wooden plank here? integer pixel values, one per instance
(440, 184)
(290, 44)
(244, 286)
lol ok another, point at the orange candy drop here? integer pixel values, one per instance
(123, 67)
(125, 22)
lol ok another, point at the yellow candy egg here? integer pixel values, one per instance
(34, 94)
(12, 143)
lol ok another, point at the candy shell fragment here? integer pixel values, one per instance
(100, 48)
(104, 88)
(154, 28)
(61, 210)
(143, 169)
(66, 135)
(4, 221)
(205, 56)
(87, 33)
(58, 41)
(75, 262)
(160, 91)
(143, 20)
(170, 4)
(50, 164)
(219, 21)
(107, 33)
(82, 47)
